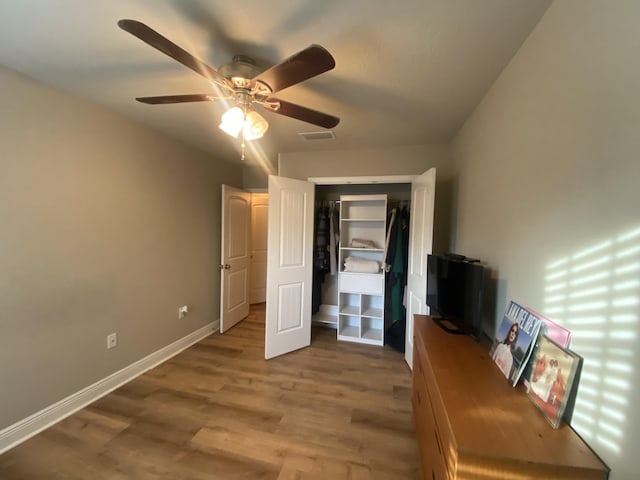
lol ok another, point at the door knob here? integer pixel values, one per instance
(226, 266)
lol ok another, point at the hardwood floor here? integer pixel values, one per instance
(218, 410)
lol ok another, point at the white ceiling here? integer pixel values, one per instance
(407, 72)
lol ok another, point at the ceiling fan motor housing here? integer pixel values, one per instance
(240, 71)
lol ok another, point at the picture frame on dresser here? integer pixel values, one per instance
(553, 379)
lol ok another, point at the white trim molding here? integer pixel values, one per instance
(21, 431)
(361, 180)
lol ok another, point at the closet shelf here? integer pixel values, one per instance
(372, 313)
(373, 334)
(365, 275)
(363, 249)
(363, 219)
(350, 310)
(348, 332)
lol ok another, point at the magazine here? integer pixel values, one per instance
(515, 340)
(553, 381)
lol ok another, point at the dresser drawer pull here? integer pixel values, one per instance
(438, 442)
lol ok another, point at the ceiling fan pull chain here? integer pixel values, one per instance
(242, 145)
(244, 123)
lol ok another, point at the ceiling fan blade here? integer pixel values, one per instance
(305, 64)
(301, 113)
(166, 46)
(167, 99)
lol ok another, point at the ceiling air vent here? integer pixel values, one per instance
(325, 135)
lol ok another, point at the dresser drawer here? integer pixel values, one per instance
(367, 283)
(431, 458)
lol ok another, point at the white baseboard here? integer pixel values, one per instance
(21, 431)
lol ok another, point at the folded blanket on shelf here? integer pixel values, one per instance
(361, 265)
(363, 243)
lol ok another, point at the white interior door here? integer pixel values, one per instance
(289, 266)
(235, 246)
(420, 245)
(259, 210)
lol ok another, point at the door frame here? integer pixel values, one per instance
(363, 180)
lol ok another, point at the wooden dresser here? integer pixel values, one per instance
(471, 424)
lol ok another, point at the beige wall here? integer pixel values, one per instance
(547, 181)
(106, 227)
(255, 178)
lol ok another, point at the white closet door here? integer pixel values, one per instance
(235, 253)
(420, 245)
(289, 266)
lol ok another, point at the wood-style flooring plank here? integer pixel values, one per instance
(218, 410)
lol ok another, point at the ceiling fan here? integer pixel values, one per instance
(244, 84)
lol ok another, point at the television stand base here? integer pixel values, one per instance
(445, 324)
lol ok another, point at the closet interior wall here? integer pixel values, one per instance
(398, 194)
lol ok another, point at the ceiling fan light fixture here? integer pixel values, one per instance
(232, 121)
(255, 126)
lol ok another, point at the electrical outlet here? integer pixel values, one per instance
(182, 311)
(112, 340)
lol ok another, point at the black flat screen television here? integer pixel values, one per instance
(454, 293)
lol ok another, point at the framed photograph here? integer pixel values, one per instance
(551, 379)
(554, 332)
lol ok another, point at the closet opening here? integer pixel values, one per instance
(290, 275)
(359, 315)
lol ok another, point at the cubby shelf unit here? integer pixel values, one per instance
(361, 288)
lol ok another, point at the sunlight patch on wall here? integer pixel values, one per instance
(596, 294)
